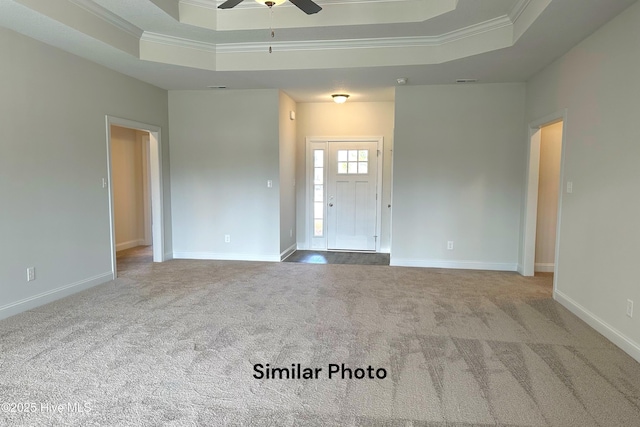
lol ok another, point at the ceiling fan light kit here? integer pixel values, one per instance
(307, 6)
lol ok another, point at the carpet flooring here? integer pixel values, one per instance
(180, 344)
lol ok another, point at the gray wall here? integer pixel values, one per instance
(54, 212)
(459, 156)
(599, 232)
(225, 147)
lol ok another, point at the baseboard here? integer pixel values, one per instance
(168, 256)
(287, 252)
(130, 244)
(612, 334)
(459, 265)
(52, 295)
(520, 269)
(544, 267)
(225, 256)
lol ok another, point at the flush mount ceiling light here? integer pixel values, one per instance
(340, 98)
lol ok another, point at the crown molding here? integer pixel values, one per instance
(108, 16)
(389, 42)
(177, 42)
(477, 29)
(206, 4)
(517, 10)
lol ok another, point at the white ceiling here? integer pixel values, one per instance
(354, 46)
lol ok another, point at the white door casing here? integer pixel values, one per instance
(156, 187)
(352, 201)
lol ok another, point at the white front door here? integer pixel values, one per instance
(351, 196)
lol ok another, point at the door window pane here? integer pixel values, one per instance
(318, 158)
(353, 162)
(318, 193)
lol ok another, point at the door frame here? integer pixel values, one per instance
(379, 140)
(531, 196)
(155, 184)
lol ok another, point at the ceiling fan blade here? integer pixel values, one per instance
(229, 4)
(307, 6)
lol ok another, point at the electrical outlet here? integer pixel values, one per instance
(450, 245)
(569, 187)
(269, 183)
(629, 308)
(291, 232)
(31, 274)
(227, 238)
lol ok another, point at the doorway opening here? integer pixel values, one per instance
(344, 201)
(544, 196)
(135, 192)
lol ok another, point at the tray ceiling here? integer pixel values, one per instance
(351, 45)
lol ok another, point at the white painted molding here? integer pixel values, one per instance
(288, 252)
(52, 295)
(629, 346)
(456, 265)
(544, 267)
(130, 244)
(108, 16)
(517, 10)
(213, 256)
(383, 42)
(177, 42)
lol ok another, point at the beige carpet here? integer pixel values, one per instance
(175, 344)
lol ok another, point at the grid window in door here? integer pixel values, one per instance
(318, 193)
(353, 162)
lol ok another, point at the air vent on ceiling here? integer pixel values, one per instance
(467, 81)
(217, 87)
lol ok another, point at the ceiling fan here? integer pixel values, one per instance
(307, 6)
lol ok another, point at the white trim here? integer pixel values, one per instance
(531, 195)
(156, 189)
(458, 265)
(629, 346)
(213, 256)
(317, 45)
(326, 140)
(109, 17)
(174, 41)
(368, 43)
(130, 244)
(517, 10)
(288, 252)
(52, 295)
(547, 267)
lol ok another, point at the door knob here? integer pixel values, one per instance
(330, 205)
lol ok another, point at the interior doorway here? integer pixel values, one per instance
(131, 195)
(146, 228)
(343, 193)
(544, 195)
